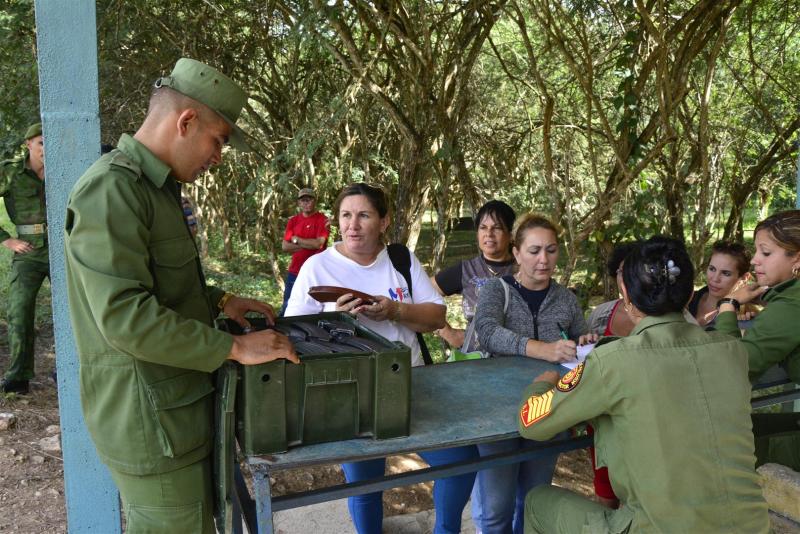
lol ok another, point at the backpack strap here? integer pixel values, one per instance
(400, 257)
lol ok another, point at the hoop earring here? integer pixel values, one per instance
(796, 271)
(628, 307)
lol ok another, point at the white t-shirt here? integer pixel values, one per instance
(331, 268)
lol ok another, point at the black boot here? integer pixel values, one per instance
(14, 386)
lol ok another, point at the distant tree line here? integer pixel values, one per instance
(619, 118)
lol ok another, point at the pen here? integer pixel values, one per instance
(561, 332)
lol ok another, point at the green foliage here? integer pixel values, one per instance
(19, 92)
(620, 119)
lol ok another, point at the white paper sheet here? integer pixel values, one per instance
(583, 351)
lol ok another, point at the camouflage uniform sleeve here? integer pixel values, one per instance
(578, 396)
(5, 182)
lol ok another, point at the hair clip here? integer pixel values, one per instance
(671, 271)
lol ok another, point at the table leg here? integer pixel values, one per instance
(263, 498)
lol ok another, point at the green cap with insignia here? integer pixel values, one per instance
(33, 130)
(209, 86)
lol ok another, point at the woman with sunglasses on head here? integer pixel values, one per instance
(774, 336)
(527, 314)
(729, 265)
(361, 261)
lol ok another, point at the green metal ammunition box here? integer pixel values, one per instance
(327, 397)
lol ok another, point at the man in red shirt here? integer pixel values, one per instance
(306, 234)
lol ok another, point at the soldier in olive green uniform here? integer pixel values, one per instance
(141, 311)
(22, 188)
(773, 338)
(670, 407)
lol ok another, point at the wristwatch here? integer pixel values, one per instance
(294, 239)
(728, 300)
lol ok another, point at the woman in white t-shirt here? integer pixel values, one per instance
(360, 261)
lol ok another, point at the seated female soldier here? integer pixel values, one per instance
(670, 406)
(773, 337)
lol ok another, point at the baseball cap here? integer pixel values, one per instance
(33, 130)
(209, 86)
(306, 192)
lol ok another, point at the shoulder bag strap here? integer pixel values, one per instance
(400, 257)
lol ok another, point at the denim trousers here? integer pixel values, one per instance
(287, 291)
(498, 499)
(450, 494)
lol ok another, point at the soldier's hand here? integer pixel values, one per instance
(548, 376)
(562, 350)
(237, 307)
(261, 347)
(745, 292)
(17, 245)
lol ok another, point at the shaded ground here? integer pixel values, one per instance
(31, 479)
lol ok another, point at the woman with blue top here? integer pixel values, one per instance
(528, 314)
(360, 261)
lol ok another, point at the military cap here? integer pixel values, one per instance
(209, 86)
(306, 192)
(33, 130)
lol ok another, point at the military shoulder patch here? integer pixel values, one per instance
(570, 380)
(537, 407)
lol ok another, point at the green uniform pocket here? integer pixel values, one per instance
(183, 408)
(174, 270)
(143, 519)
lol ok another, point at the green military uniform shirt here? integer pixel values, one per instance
(670, 406)
(23, 193)
(142, 315)
(773, 337)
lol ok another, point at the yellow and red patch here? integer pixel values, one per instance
(570, 380)
(537, 407)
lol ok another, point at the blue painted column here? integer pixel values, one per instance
(67, 45)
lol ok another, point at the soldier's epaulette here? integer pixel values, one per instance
(120, 159)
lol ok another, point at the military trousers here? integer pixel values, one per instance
(26, 279)
(166, 503)
(554, 510)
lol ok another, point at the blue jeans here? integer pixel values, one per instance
(450, 495)
(287, 291)
(498, 505)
